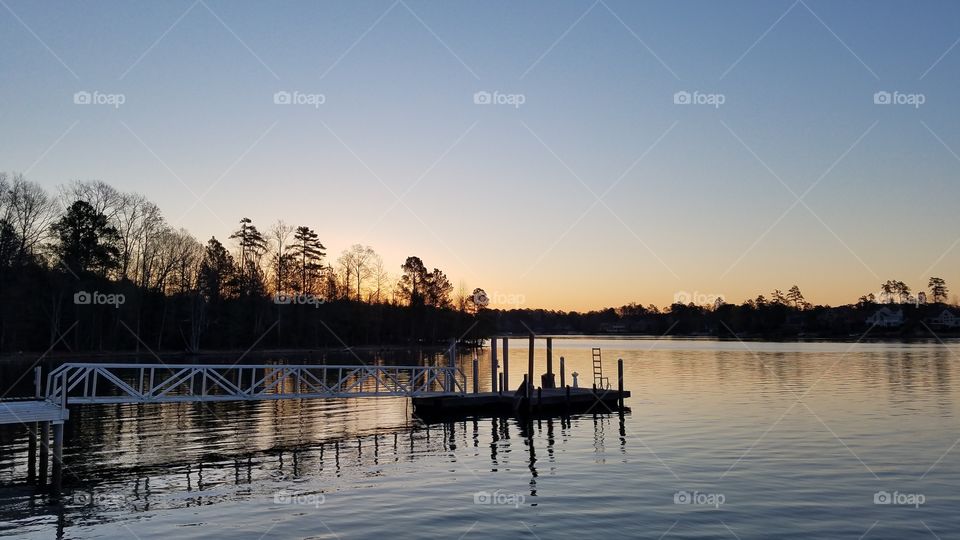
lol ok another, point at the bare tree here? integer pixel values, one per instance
(357, 261)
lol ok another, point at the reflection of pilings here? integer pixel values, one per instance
(44, 451)
(32, 451)
(57, 456)
(623, 433)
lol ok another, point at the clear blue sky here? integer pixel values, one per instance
(507, 202)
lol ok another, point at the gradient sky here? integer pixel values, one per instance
(694, 198)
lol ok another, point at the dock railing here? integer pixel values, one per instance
(83, 383)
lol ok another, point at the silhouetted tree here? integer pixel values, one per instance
(938, 289)
(413, 282)
(308, 252)
(86, 241)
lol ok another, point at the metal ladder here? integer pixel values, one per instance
(598, 379)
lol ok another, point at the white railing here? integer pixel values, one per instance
(157, 383)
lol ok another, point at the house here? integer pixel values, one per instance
(886, 318)
(946, 319)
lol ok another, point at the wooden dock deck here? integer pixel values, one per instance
(29, 411)
(547, 401)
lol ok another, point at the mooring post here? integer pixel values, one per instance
(451, 384)
(37, 382)
(493, 364)
(506, 363)
(620, 381)
(476, 375)
(566, 402)
(500, 388)
(530, 362)
(57, 456)
(563, 374)
(539, 398)
(549, 356)
(44, 451)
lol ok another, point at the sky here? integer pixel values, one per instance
(563, 154)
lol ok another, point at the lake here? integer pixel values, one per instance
(723, 439)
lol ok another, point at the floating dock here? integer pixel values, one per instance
(551, 401)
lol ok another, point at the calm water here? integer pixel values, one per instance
(779, 440)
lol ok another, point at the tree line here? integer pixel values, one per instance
(62, 255)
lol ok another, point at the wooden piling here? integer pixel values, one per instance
(476, 375)
(566, 404)
(501, 384)
(494, 368)
(563, 374)
(530, 351)
(506, 364)
(620, 381)
(549, 356)
(539, 398)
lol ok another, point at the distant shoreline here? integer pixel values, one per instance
(392, 348)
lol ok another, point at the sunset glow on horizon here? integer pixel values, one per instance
(586, 156)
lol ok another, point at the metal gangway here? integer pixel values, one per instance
(96, 383)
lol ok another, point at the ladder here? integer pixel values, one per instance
(598, 379)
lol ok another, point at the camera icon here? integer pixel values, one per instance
(281, 298)
(82, 98)
(82, 499)
(682, 297)
(482, 497)
(882, 497)
(681, 497)
(882, 98)
(82, 298)
(481, 299)
(682, 98)
(282, 98)
(482, 98)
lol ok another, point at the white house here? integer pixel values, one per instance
(946, 319)
(886, 318)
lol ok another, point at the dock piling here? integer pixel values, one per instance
(530, 351)
(501, 384)
(506, 363)
(32, 451)
(563, 374)
(476, 375)
(493, 364)
(620, 382)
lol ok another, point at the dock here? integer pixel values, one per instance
(436, 391)
(550, 402)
